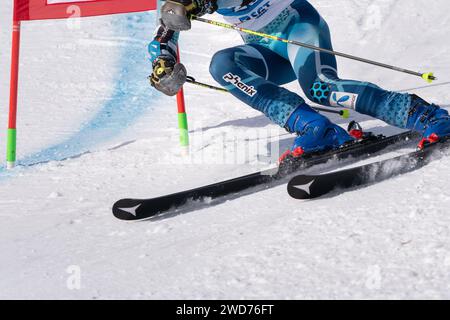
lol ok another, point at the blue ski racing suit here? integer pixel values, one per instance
(255, 72)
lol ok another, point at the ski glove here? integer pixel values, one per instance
(175, 14)
(168, 76)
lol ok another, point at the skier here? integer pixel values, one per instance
(255, 71)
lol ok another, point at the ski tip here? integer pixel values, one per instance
(429, 77)
(300, 187)
(126, 209)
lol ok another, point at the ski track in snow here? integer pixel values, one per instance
(129, 100)
(389, 240)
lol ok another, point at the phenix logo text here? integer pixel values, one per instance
(237, 82)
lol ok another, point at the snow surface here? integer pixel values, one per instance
(91, 131)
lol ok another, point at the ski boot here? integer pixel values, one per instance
(431, 121)
(316, 133)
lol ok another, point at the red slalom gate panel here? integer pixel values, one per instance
(63, 9)
(55, 9)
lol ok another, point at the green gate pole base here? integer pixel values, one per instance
(11, 149)
(184, 133)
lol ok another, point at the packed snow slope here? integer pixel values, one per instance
(91, 131)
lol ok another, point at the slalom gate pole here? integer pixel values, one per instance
(181, 103)
(12, 121)
(182, 117)
(429, 76)
(344, 113)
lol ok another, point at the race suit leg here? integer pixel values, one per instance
(318, 76)
(254, 75)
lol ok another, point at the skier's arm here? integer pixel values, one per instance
(164, 44)
(165, 41)
(167, 76)
(175, 14)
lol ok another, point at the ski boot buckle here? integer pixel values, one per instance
(433, 138)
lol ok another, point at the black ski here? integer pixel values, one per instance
(137, 209)
(314, 186)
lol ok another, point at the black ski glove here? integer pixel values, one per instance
(175, 14)
(168, 76)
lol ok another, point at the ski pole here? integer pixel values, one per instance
(428, 76)
(344, 113)
(191, 80)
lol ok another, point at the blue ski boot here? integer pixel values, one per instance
(316, 133)
(429, 120)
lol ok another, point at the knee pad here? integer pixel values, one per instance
(320, 92)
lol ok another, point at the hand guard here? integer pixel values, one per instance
(168, 76)
(175, 14)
